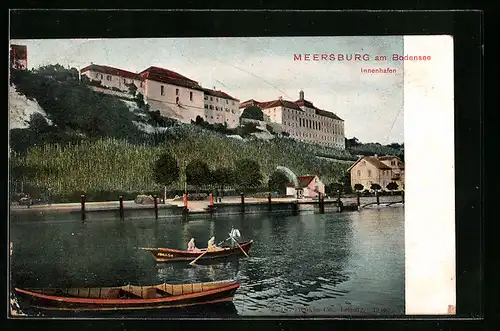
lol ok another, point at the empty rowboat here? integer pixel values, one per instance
(174, 255)
(129, 297)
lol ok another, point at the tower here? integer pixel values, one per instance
(301, 95)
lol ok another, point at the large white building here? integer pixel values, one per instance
(304, 121)
(221, 108)
(174, 95)
(113, 77)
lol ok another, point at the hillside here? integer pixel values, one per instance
(84, 141)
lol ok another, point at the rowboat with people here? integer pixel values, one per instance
(129, 297)
(212, 252)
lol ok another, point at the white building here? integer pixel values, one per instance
(304, 121)
(111, 77)
(221, 108)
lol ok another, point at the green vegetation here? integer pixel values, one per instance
(253, 112)
(278, 182)
(95, 148)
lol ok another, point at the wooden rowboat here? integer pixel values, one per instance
(174, 255)
(129, 297)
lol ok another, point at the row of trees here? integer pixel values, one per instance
(246, 174)
(392, 186)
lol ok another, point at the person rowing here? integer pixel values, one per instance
(212, 246)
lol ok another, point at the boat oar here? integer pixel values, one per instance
(192, 262)
(240, 247)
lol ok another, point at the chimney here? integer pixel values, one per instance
(281, 98)
(301, 95)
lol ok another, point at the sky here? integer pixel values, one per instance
(263, 69)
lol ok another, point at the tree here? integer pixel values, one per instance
(132, 88)
(166, 170)
(278, 182)
(358, 187)
(332, 188)
(248, 174)
(198, 174)
(222, 177)
(253, 112)
(375, 187)
(392, 186)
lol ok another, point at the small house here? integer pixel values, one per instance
(309, 187)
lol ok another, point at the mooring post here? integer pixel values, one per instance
(121, 207)
(82, 203)
(295, 208)
(357, 198)
(242, 195)
(211, 203)
(156, 206)
(339, 207)
(378, 199)
(185, 208)
(403, 196)
(321, 203)
(269, 203)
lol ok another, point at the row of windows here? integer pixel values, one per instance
(217, 118)
(162, 92)
(217, 100)
(315, 136)
(217, 108)
(312, 125)
(110, 78)
(382, 172)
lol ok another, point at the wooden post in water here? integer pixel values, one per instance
(358, 200)
(321, 203)
(269, 202)
(339, 203)
(295, 208)
(156, 206)
(378, 199)
(121, 208)
(185, 208)
(403, 196)
(82, 203)
(211, 203)
(242, 195)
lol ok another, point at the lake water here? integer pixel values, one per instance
(331, 264)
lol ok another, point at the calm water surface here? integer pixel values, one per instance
(331, 264)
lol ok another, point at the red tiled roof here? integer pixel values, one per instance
(20, 52)
(373, 160)
(219, 94)
(169, 77)
(280, 103)
(111, 71)
(305, 180)
(320, 112)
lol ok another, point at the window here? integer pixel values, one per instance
(206, 97)
(393, 162)
(211, 99)
(227, 101)
(216, 99)
(191, 96)
(124, 81)
(108, 77)
(177, 100)
(211, 107)
(206, 106)
(162, 90)
(369, 173)
(216, 108)
(97, 75)
(176, 91)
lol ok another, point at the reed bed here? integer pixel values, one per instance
(116, 165)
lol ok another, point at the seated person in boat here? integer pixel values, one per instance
(212, 246)
(192, 246)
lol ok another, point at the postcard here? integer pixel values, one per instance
(235, 177)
